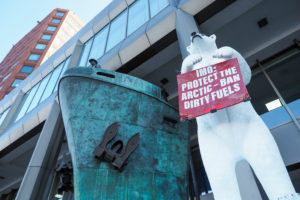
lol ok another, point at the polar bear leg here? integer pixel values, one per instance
(219, 164)
(261, 151)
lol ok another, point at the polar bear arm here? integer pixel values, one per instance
(189, 61)
(228, 52)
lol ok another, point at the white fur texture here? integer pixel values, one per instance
(236, 133)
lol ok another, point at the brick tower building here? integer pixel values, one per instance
(37, 46)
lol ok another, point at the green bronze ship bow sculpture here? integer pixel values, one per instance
(125, 141)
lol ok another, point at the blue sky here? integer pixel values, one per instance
(18, 17)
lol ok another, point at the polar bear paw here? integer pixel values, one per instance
(224, 52)
(189, 62)
(289, 197)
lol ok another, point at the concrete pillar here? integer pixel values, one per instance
(185, 25)
(76, 54)
(40, 171)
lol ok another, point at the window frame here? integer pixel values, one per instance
(110, 24)
(128, 15)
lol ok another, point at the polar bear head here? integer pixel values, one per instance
(204, 51)
(202, 44)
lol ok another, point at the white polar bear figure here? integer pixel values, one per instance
(235, 133)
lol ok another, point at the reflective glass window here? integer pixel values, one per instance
(39, 93)
(40, 46)
(3, 115)
(34, 57)
(60, 14)
(46, 37)
(55, 21)
(62, 72)
(85, 52)
(117, 30)
(16, 82)
(27, 69)
(99, 43)
(51, 28)
(52, 82)
(26, 101)
(138, 15)
(157, 5)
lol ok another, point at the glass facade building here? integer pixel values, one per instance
(36, 47)
(148, 39)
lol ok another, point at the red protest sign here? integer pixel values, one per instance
(210, 88)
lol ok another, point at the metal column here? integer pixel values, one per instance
(40, 171)
(279, 95)
(185, 25)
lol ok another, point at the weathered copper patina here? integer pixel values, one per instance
(92, 100)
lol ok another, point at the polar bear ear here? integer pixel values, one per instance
(213, 36)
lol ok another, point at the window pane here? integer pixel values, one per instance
(117, 30)
(157, 5)
(3, 116)
(39, 93)
(16, 82)
(138, 15)
(62, 73)
(55, 21)
(51, 28)
(99, 44)
(26, 101)
(52, 82)
(46, 37)
(34, 57)
(40, 46)
(27, 69)
(60, 14)
(85, 52)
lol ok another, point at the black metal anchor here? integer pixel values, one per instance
(116, 154)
